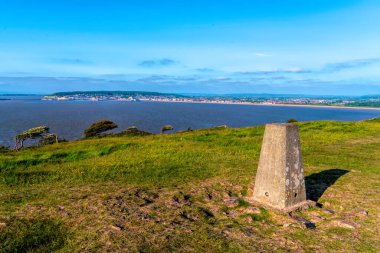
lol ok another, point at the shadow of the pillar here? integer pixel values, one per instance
(317, 183)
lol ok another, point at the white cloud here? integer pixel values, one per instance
(262, 55)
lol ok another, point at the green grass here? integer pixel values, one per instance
(374, 120)
(165, 193)
(35, 235)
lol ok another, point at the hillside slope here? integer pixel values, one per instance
(184, 192)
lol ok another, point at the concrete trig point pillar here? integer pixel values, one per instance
(280, 181)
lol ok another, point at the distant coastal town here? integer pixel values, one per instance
(263, 99)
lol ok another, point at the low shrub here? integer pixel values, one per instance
(166, 128)
(4, 149)
(292, 120)
(99, 127)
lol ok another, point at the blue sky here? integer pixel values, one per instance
(278, 46)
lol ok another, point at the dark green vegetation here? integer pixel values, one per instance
(49, 139)
(292, 120)
(34, 235)
(374, 120)
(3, 149)
(365, 104)
(99, 127)
(129, 132)
(166, 128)
(132, 131)
(40, 132)
(170, 193)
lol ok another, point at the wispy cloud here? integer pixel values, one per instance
(295, 80)
(70, 61)
(166, 78)
(261, 55)
(328, 68)
(339, 66)
(158, 63)
(276, 71)
(205, 70)
(188, 84)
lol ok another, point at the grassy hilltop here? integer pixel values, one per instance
(185, 192)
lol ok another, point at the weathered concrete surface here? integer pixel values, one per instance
(280, 181)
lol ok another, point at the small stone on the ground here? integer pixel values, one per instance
(252, 210)
(328, 211)
(317, 218)
(234, 213)
(303, 222)
(344, 224)
(362, 213)
(359, 213)
(115, 228)
(326, 204)
(232, 201)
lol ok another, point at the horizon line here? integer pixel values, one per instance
(185, 93)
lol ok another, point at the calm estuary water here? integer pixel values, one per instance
(68, 119)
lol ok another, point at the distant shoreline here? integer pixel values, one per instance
(231, 103)
(289, 105)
